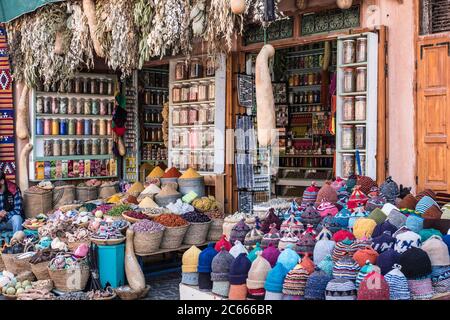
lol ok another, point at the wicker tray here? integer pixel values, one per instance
(108, 242)
(130, 294)
(10, 296)
(130, 219)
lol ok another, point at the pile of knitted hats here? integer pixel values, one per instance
(349, 240)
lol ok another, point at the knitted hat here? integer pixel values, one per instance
(253, 254)
(237, 292)
(326, 265)
(421, 289)
(220, 266)
(377, 215)
(223, 242)
(364, 271)
(204, 281)
(326, 193)
(293, 210)
(330, 223)
(437, 251)
(275, 279)
(252, 237)
(361, 256)
(425, 234)
(190, 259)
(270, 219)
(377, 201)
(310, 195)
(327, 208)
(383, 242)
(340, 289)
(239, 231)
(445, 211)
(373, 287)
(322, 248)
(306, 243)
(343, 196)
(316, 285)
(385, 226)
(288, 238)
(351, 182)
(342, 235)
(343, 248)
(366, 183)
(342, 217)
(256, 294)
(221, 288)
(258, 272)
(324, 234)
(239, 269)
(415, 263)
(432, 212)
(293, 224)
(387, 259)
(362, 243)
(338, 183)
(440, 279)
(443, 225)
(398, 284)
(364, 227)
(271, 254)
(397, 218)
(407, 240)
(307, 264)
(426, 192)
(424, 204)
(408, 202)
(346, 268)
(357, 198)
(237, 249)
(190, 278)
(387, 208)
(205, 258)
(311, 216)
(295, 282)
(272, 237)
(390, 190)
(414, 223)
(288, 258)
(273, 296)
(358, 213)
(446, 240)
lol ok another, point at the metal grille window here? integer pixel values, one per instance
(435, 16)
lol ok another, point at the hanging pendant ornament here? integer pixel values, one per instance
(301, 4)
(237, 6)
(344, 4)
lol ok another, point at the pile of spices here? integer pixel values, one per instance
(136, 215)
(172, 173)
(118, 210)
(157, 172)
(170, 220)
(148, 203)
(152, 189)
(136, 187)
(147, 226)
(215, 214)
(168, 190)
(190, 174)
(195, 217)
(131, 199)
(114, 198)
(103, 208)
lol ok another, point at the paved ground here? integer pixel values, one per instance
(165, 287)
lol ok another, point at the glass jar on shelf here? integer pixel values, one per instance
(95, 107)
(210, 138)
(63, 127)
(95, 147)
(193, 138)
(185, 93)
(193, 92)
(210, 67)
(203, 91)
(211, 114)
(176, 159)
(87, 147)
(94, 87)
(79, 107)
(195, 69)
(184, 160)
(184, 138)
(361, 79)
(47, 105)
(55, 106)
(348, 164)
(360, 108)
(47, 126)
(348, 109)
(175, 138)
(103, 107)
(72, 147)
(361, 49)
(180, 70)
(203, 114)
(39, 105)
(360, 136)
(184, 116)
(362, 158)
(348, 51)
(55, 126)
(193, 116)
(64, 147)
(212, 91)
(210, 162)
(348, 139)
(71, 106)
(176, 117)
(349, 83)
(79, 146)
(87, 106)
(48, 148)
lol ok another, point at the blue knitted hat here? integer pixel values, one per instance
(424, 204)
(398, 284)
(275, 278)
(440, 279)
(253, 254)
(342, 217)
(387, 259)
(326, 265)
(288, 258)
(322, 248)
(239, 269)
(446, 239)
(381, 228)
(316, 285)
(390, 190)
(383, 242)
(206, 257)
(414, 223)
(330, 223)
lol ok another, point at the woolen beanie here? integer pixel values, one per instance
(221, 288)
(272, 237)
(421, 289)
(327, 208)
(432, 213)
(275, 279)
(270, 219)
(327, 193)
(361, 256)
(239, 231)
(362, 243)
(343, 248)
(363, 228)
(271, 254)
(387, 208)
(206, 257)
(295, 282)
(311, 216)
(288, 258)
(446, 240)
(306, 243)
(307, 264)
(408, 202)
(375, 202)
(256, 294)
(398, 284)
(366, 183)
(407, 240)
(220, 266)
(189, 278)
(322, 248)
(397, 218)
(253, 254)
(239, 269)
(237, 292)
(437, 251)
(291, 224)
(338, 183)
(342, 218)
(204, 281)
(415, 263)
(440, 279)
(373, 287)
(390, 190)
(443, 225)
(324, 234)
(223, 242)
(340, 289)
(310, 195)
(346, 268)
(331, 223)
(293, 210)
(190, 259)
(237, 249)
(414, 223)
(341, 235)
(426, 192)
(357, 198)
(351, 182)
(364, 271)
(253, 237)
(377, 215)
(387, 259)
(326, 265)
(446, 211)
(258, 272)
(383, 242)
(316, 285)
(381, 228)
(288, 238)
(426, 234)
(424, 204)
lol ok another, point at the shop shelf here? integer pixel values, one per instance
(153, 142)
(353, 122)
(194, 80)
(71, 136)
(306, 156)
(86, 157)
(67, 116)
(165, 89)
(195, 126)
(304, 168)
(152, 106)
(193, 149)
(305, 70)
(356, 64)
(352, 151)
(306, 104)
(75, 95)
(308, 87)
(308, 112)
(179, 104)
(78, 178)
(305, 52)
(153, 161)
(298, 182)
(350, 94)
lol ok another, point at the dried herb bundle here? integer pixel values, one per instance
(143, 16)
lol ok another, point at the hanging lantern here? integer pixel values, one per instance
(301, 4)
(344, 4)
(237, 6)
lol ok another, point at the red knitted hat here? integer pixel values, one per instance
(357, 198)
(362, 255)
(341, 235)
(373, 287)
(366, 183)
(223, 242)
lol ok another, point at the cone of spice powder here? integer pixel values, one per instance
(171, 173)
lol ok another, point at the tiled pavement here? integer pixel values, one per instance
(165, 287)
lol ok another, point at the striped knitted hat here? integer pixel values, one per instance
(361, 256)
(342, 249)
(295, 282)
(366, 183)
(346, 268)
(364, 271)
(440, 279)
(239, 231)
(426, 192)
(311, 216)
(340, 289)
(316, 285)
(288, 238)
(362, 243)
(293, 224)
(408, 202)
(390, 190)
(253, 237)
(326, 265)
(306, 243)
(398, 284)
(309, 195)
(327, 193)
(368, 291)
(421, 289)
(327, 208)
(273, 236)
(424, 204)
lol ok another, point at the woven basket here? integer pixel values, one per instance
(40, 270)
(216, 230)
(2, 264)
(173, 237)
(126, 293)
(85, 194)
(147, 242)
(35, 203)
(14, 265)
(63, 195)
(104, 192)
(196, 233)
(70, 280)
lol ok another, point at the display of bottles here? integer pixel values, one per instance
(83, 84)
(305, 97)
(154, 152)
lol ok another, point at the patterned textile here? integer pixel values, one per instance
(7, 157)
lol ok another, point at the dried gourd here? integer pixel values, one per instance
(121, 146)
(237, 6)
(22, 115)
(23, 166)
(133, 271)
(344, 4)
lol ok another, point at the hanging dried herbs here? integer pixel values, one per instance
(143, 16)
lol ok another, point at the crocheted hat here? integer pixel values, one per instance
(204, 281)
(316, 285)
(363, 228)
(340, 289)
(326, 265)
(271, 254)
(426, 192)
(443, 225)
(358, 198)
(237, 249)
(385, 226)
(327, 208)
(432, 213)
(190, 259)
(306, 243)
(338, 183)
(351, 183)
(424, 204)
(425, 234)
(342, 217)
(341, 235)
(390, 190)
(414, 223)
(220, 266)
(398, 284)
(383, 242)
(311, 216)
(324, 234)
(223, 242)
(407, 240)
(415, 263)
(396, 218)
(270, 219)
(293, 224)
(253, 237)
(446, 240)
(288, 238)
(440, 279)
(343, 248)
(190, 278)
(238, 292)
(374, 202)
(387, 208)
(346, 268)
(239, 269)
(322, 248)
(421, 289)
(275, 279)
(364, 271)
(205, 258)
(408, 202)
(307, 264)
(387, 259)
(295, 282)
(258, 272)
(309, 195)
(369, 291)
(437, 251)
(221, 288)
(272, 237)
(288, 258)
(366, 183)
(253, 254)
(239, 231)
(361, 256)
(327, 193)
(377, 215)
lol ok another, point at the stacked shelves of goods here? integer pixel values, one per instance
(310, 143)
(197, 114)
(154, 93)
(132, 129)
(356, 105)
(71, 129)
